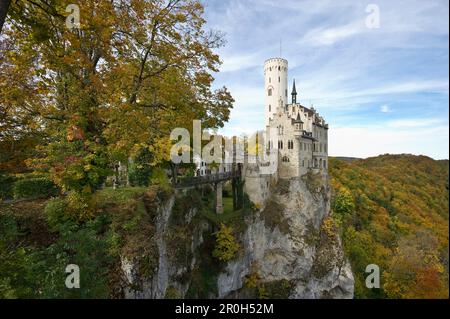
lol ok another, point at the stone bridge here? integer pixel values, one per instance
(215, 179)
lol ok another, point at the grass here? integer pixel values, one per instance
(235, 219)
(227, 203)
(120, 195)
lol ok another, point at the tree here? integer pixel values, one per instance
(122, 81)
(4, 6)
(226, 245)
(343, 204)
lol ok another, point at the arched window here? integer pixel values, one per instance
(269, 92)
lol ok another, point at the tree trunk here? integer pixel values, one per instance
(4, 6)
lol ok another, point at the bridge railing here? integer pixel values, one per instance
(206, 179)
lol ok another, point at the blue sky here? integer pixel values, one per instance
(382, 90)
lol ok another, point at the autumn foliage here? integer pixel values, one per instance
(393, 212)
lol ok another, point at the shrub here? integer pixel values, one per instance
(56, 215)
(226, 245)
(172, 293)
(159, 178)
(38, 187)
(140, 170)
(80, 206)
(6, 186)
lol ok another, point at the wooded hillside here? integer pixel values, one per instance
(393, 212)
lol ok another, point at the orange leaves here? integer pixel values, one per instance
(75, 133)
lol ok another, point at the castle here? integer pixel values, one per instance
(299, 133)
(295, 140)
(295, 134)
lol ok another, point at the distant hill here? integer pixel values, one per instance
(345, 159)
(393, 212)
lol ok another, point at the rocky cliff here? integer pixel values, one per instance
(289, 248)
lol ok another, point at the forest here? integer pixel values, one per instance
(392, 211)
(81, 91)
(76, 102)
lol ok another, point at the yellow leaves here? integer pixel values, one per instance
(328, 227)
(226, 244)
(252, 280)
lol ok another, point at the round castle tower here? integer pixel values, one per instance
(276, 85)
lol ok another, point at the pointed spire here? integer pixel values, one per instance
(294, 94)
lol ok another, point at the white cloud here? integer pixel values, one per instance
(329, 36)
(385, 109)
(374, 140)
(343, 68)
(415, 123)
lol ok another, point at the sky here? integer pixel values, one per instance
(382, 89)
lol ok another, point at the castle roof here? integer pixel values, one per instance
(294, 91)
(298, 119)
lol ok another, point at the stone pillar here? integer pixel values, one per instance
(219, 205)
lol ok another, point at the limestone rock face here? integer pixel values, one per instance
(284, 241)
(288, 246)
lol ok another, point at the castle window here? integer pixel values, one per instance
(279, 79)
(324, 164)
(269, 92)
(270, 108)
(270, 80)
(303, 163)
(279, 68)
(285, 92)
(291, 145)
(285, 159)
